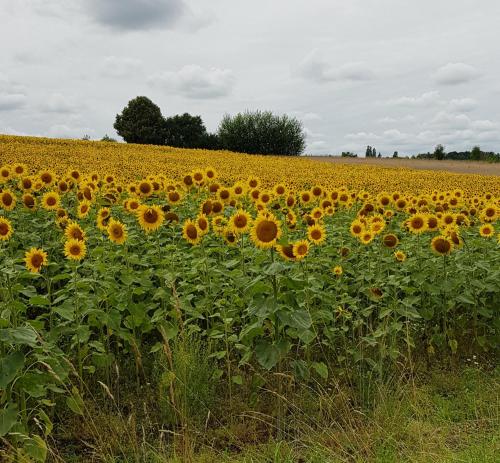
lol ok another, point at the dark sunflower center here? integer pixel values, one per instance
(7, 199)
(36, 260)
(417, 223)
(191, 232)
(267, 231)
(442, 246)
(151, 216)
(74, 250)
(51, 201)
(240, 221)
(4, 229)
(316, 234)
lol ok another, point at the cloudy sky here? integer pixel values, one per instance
(396, 74)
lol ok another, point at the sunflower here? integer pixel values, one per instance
(117, 231)
(432, 223)
(51, 201)
(174, 197)
(417, 223)
(198, 176)
(376, 293)
(7, 200)
(366, 237)
(47, 177)
(35, 259)
(337, 270)
(486, 230)
(441, 245)
(317, 213)
(279, 189)
(29, 201)
(224, 194)
(240, 221)
(145, 189)
(286, 251)
(357, 228)
(400, 256)
(301, 249)
(253, 182)
(73, 231)
(5, 174)
(150, 217)
(390, 240)
(26, 184)
(5, 229)
(103, 216)
(266, 230)
(210, 173)
(316, 233)
(75, 249)
(191, 232)
(202, 224)
(229, 237)
(305, 197)
(83, 209)
(488, 214)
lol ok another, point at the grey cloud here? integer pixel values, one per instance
(137, 14)
(427, 98)
(193, 81)
(455, 73)
(463, 104)
(315, 67)
(67, 131)
(113, 66)
(9, 102)
(58, 103)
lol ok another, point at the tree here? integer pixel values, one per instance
(368, 153)
(439, 152)
(141, 121)
(379, 155)
(184, 131)
(108, 138)
(86, 137)
(262, 132)
(395, 155)
(374, 153)
(475, 154)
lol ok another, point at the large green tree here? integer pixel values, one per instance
(141, 121)
(262, 132)
(185, 131)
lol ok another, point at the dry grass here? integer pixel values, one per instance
(459, 167)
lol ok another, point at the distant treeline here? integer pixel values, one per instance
(476, 154)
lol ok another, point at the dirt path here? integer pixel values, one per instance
(461, 167)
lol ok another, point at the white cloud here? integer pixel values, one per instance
(463, 104)
(58, 103)
(314, 67)
(66, 131)
(455, 73)
(193, 81)
(360, 136)
(426, 99)
(113, 66)
(13, 101)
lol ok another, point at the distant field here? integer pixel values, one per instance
(459, 167)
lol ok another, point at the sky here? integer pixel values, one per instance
(399, 75)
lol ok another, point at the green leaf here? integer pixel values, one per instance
(8, 418)
(36, 448)
(267, 354)
(9, 367)
(39, 301)
(321, 369)
(75, 402)
(237, 379)
(300, 319)
(23, 335)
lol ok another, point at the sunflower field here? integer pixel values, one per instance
(136, 268)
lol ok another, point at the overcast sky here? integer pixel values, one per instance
(396, 74)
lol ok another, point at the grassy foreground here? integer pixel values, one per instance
(439, 415)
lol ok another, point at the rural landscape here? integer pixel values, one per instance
(249, 232)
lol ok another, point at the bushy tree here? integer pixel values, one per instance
(262, 132)
(108, 139)
(141, 121)
(184, 131)
(476, 154)
(439, 152)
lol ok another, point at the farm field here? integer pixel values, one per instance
(160, 304)
(459, 167)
